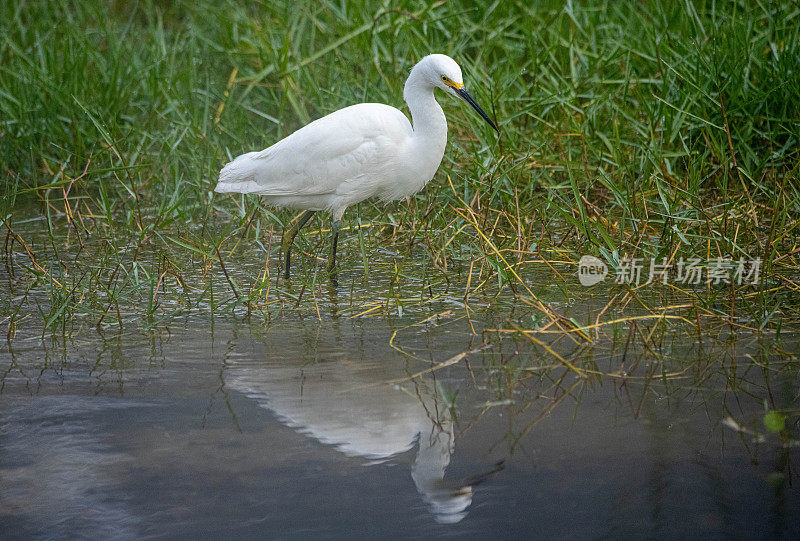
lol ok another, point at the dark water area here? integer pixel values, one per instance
(309, 428)
(384, 407)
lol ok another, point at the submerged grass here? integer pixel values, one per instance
(661, 130)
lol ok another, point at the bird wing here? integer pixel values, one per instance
(324, 157)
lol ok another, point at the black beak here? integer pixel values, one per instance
(467, 98)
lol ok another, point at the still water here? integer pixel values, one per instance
(308, 425)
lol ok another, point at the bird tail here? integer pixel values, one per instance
(238, 175)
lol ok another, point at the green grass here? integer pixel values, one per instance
(652, 129)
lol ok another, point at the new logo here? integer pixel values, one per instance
(591, 270)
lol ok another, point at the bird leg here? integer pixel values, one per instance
(335, 237)
(290, 233)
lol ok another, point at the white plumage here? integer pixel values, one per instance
(330, 164)
(363, 151)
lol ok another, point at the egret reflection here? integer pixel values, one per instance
(355, 407)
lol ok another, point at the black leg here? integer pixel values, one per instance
(332, 259)
(291, 233)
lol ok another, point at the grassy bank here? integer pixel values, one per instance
(655, 129)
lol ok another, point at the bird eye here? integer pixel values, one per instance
(444, 78)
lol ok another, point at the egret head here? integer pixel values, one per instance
(442, 71)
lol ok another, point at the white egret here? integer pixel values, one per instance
(356, 153)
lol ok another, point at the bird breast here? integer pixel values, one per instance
(419, 160)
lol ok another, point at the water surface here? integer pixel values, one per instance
(320, 424)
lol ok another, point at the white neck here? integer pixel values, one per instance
(428, 121)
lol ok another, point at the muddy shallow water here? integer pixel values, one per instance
(299, 428)
(385, 407)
